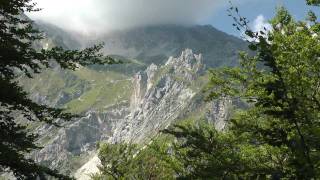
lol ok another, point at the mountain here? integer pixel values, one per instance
(156, 44)
(160, 94)
(54, 36)
(159, 84)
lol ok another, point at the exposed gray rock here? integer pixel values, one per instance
(77, 138)
(167, 93)
(219, 112)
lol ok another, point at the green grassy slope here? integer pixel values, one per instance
(81, 90)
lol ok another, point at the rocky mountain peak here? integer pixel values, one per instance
(188, 65)
(159, 96)
(187, 58)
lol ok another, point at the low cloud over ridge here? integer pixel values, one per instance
(104, 15)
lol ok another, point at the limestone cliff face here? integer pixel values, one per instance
(219, 112)
(77, 139)
(160, 95)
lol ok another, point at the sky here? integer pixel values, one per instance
(258, 12)
(101, 16)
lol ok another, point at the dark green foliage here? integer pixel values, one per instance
(312, 17)
(128, 161)
(205, 153)
(280, 128)
(18, 57)
(116, 159)
(313, 2)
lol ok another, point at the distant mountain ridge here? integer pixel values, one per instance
(155, 44)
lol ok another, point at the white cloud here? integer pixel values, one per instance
(104, 15)
(260, 24)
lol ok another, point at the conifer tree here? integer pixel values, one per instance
(18, 57)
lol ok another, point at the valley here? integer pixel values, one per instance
(159, 83)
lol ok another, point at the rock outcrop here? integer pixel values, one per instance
(219, 112)
(77, 140)
(161, 93)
